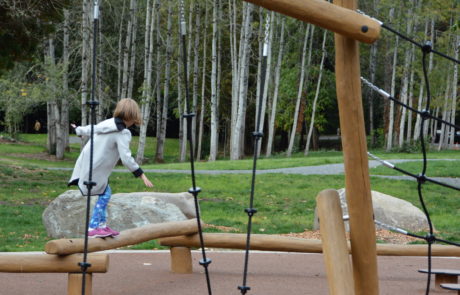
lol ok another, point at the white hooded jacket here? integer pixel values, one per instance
(111, 143)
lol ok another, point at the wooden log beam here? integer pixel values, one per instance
(46, 263)
(356, 164)
(324, 14)
(238, 241)
(335, 248)
(290, 244)
(128, 237)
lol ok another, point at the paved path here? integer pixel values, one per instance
(328, 169)
(270, 273)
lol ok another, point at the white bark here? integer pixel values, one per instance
(195, 72)
(203, 88)
(213, 147)
(120, 52)
(299, 93)
(147, 92)
(312, 119)
(129, 50)
(392, 93)
(161, 138)
(243, 67)
(271, 125)
(85, 60)
(456, 45)
(445, 114)
(267, 75)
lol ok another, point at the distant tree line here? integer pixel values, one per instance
(139, 56)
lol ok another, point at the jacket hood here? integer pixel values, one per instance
(107, 126)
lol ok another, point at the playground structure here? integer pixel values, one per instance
(350, 27)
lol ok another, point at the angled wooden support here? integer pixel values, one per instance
(128, 237)
(354, 145)
(46, 263)
(335, 247)
(337, 19)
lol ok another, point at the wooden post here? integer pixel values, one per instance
(326, 15)
(357, 184)
(181, 260)
(335, 248)
(74, 284)
(128, 237)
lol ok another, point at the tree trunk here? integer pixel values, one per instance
(271, 125)
(85, 60)
(51, 104)
(392, 93)
(147, 92)
(161, 138)
(65, 86)
(456, 46)
(203, 87)
(445, 114)
(405, 80)
(213, 147)
(120, 52)
(236, 148)
(411, 98)
(195, 72)
(299, 93)
(312, 120)
(129, 51)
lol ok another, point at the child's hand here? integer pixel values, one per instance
(73, 125)
(146, 181)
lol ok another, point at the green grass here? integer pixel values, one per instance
(435, 168)
(285, 203)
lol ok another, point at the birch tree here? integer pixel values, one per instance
(203, 86)
(271, 125)
(129, 52)
(318, 85)
(299, 92)
(456, 46)
(161, 137)
(214, 143)
(85, 59)
(147, 91)
(268, 34)
(243, 71)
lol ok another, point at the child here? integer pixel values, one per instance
(111, 143)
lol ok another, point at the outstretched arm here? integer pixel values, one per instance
(146, 180)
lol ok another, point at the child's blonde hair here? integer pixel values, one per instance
(127, 109)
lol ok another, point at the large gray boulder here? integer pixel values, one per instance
(65, 216)
(388, 210)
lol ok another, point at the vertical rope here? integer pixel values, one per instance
(257, 135)
(89, 183)
(194, 190)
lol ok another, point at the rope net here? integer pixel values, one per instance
(421, 178)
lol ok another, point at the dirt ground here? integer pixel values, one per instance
(270, 273)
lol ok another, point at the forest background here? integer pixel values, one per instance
(46, 73)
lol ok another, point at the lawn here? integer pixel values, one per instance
(285, 203)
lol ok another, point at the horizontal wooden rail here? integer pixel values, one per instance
(46, 263)
(290, 244)
(329, 16)
(128, 237)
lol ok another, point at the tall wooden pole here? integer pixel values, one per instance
(357, 184)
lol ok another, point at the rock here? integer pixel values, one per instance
(388, 210)
(65, 215)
